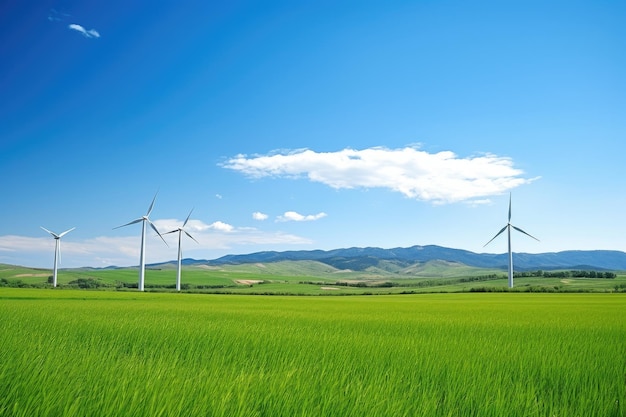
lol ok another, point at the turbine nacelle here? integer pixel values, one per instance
(60, 235)
(181, 229)
(508, 226)
(145, 218)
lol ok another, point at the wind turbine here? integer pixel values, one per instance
(142, 261)
(509, 226)
(180, 231)
(57, 251)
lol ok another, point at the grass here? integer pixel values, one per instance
(104, 353)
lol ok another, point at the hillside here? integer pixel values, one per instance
(397, 260)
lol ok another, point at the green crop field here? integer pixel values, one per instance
(113, 353)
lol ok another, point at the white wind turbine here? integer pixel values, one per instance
(57, 251)
(142, 256)
(180, 231)
(509, 226)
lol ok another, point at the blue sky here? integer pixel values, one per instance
(309, 125)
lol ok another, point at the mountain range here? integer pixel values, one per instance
(360, 259)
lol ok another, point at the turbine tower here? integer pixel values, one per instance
(57, 251)
(509, 226)
(142, 255)
(180, 231)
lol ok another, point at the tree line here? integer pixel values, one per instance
(566, 274)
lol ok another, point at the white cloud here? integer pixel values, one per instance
(292, 216)
(477, 203)
(12, 243)
(166, 225)
(100, 251)
(192, 226)
(56, 16)
(91, 33)
(221, 226)
(441, 177)
(257, 215)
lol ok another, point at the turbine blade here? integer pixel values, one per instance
(154, 228)
(187, 233)
(127, 224)
(167, 233)
(157, 232)
(187, 219)
(527, 234)
(66, 232)
(52, 233)
(497, 234)
(152, 205)
(509, 207)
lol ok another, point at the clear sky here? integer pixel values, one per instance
(290, 125)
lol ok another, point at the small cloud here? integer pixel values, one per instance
(221, 226)
(91, 33)
(292, 216)
(477, 203)
(56, 16)
(218, 196)
(257, 215)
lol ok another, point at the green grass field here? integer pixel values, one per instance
(112, 353)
